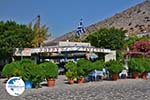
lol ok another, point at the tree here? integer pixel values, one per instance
(110, 38)
(133, 38)
(40, 33)
(13, 35)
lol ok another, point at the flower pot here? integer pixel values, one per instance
(135, 75)
(80, 80)
(51, 82)
(28, 84)
(143, 75)
(115, 77)
(70, 81)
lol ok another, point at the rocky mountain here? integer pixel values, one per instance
(135, 19)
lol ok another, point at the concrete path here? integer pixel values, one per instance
(126, 89)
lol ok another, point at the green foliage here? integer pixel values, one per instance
(27, 70)
(71, 66)
(28, 67)
(98, 65)
(146, 65)
(12, 69)
(114, 67)
(31, 71)
(70, 74)
(83, 67)
(50, 69)
(37, 74)
(40, 34)
(130, 40)
(26, 62)
(111, 38)
(72, 70)
(13, 35)
(133, 38)
(136, 65)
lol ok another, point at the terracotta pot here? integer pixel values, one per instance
(115, 77)
(70, 81)
(80, 80)
(51, 82)
(135, 75)
(143, 75)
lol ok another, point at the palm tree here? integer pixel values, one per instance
(40, 33)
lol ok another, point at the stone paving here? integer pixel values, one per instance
(123, 89)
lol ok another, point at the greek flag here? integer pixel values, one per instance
(80, 28)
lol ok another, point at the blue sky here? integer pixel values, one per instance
(62, 16)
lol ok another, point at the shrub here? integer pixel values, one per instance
(12, 69)
(72, 70)
(136, 65)
(84, 67)
(114, 67)
(146, 65)
(27, 69)
(50, 69)
(32, 72)
(71, 75)
(98, 65)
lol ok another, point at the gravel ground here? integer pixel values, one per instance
(123, 89)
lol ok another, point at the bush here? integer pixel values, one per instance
(71, 66)
(12, 69)
(146, 65)
(31, 72)
(136, 65)
(98, 65)
(84, 67)
(70, 75)
(72, 70)
(37, 74)
(50, 69)
(114, 67)
(27, 69)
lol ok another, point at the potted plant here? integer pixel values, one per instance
(146, 64)
(37, 75)
(114, 68)
(98, 65)
(50, 72)
(136, 66)
(83, 69)
(32, 74)
(70, 76)
(96, 70)
(72, 71)
(12, 69)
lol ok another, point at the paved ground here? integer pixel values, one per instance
(127, 89)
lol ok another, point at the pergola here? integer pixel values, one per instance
(64, 51)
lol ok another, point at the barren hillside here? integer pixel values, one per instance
(135, 19)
